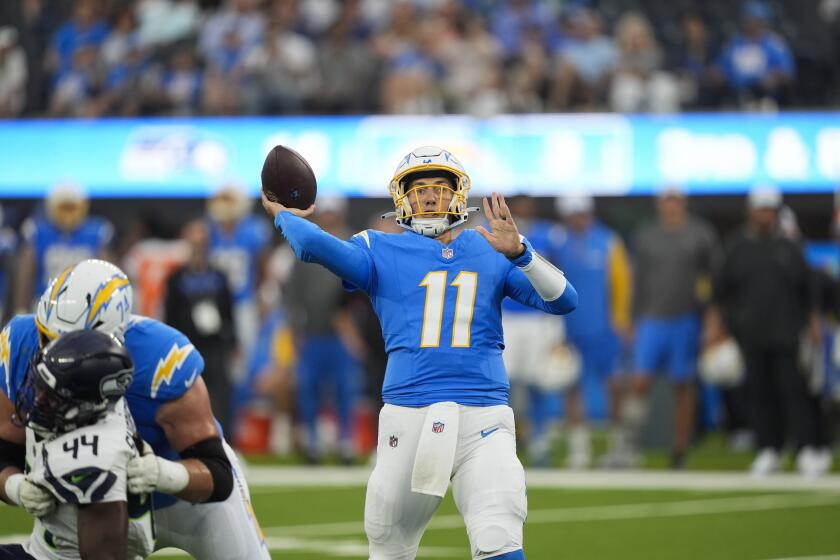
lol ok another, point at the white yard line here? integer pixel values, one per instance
(310, 537)
(615, 512)
(272, 479)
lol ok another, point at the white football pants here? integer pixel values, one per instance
(529, 339)
(216, 531)
(488, 484)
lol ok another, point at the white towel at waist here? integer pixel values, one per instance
(436, 450)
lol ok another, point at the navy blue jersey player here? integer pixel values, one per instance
(438, 292)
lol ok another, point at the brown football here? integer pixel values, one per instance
(288, 179)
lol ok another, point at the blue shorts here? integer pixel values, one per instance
(668, 344)
(599, 354)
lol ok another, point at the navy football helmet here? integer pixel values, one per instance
(73, 381)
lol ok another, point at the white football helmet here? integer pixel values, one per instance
(722, 364)
(93, 294)
(430, 161)
(562, 368)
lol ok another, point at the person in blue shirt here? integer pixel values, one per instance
(757, 63)
(64, 236)
(594, 258)
(239, 245)
(437, 291)
(200, 492)
(530, 336)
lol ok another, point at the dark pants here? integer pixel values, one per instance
(216, 376)
(778, 398)
(14, 552)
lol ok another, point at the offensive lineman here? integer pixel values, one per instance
(438, 294)
(79, 440)
(202, 504)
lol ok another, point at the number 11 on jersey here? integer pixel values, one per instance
(435, 284)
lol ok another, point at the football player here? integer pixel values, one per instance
(438, 291)
(202, 505)
(63, 237)
(79, 440)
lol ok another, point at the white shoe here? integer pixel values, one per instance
(580, 448)
(766, 462)
(813, 462)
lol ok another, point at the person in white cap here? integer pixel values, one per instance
(764, 299)
(594, 258)
(62, 237)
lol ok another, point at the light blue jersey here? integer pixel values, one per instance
(237, 254)
(56, 250)
(165, 366)
(439, 307)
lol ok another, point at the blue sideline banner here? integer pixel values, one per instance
(544, 155)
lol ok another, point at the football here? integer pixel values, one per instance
(288, 179)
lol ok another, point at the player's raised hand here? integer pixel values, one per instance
(503, 235)
(274, 208)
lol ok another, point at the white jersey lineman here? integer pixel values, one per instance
(86, 466)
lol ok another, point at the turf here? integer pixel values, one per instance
(310, 523)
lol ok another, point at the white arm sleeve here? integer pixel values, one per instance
(547, 279)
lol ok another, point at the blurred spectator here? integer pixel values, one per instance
(87, 29)
(512, 20)
(53, 242)
(593, 257)
(227, 40)
(181, 83)
(674, 260)
(347, 64)
(765, 298)
(527, 77)
(757, 62)
(639, 82)
(530, 336)
(8, 248)
(122, 38)
(328, 343)
(79, 90)
(239, 243)
(693, 60)
(410, 84)
(286, 67)
(232, 31)
(198, 303)
(471, 57)
(583, 64)
(162, 22)
(13, 74)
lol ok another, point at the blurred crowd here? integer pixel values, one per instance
(742, 332)
(92, 58)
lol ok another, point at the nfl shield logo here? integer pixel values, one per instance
(393, 441)
(437, 427)
(447, 253)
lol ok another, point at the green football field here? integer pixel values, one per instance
(317, 513)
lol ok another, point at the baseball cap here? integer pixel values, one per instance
(764, 196)
(574, 204)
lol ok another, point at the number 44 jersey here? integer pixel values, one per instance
(86, 466)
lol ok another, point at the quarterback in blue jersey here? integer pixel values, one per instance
(202, 502)
(438, 292)
(63, 236)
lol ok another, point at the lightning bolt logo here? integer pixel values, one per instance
(167, 366)
(4, 357)
(102, 297)
(58, 283)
